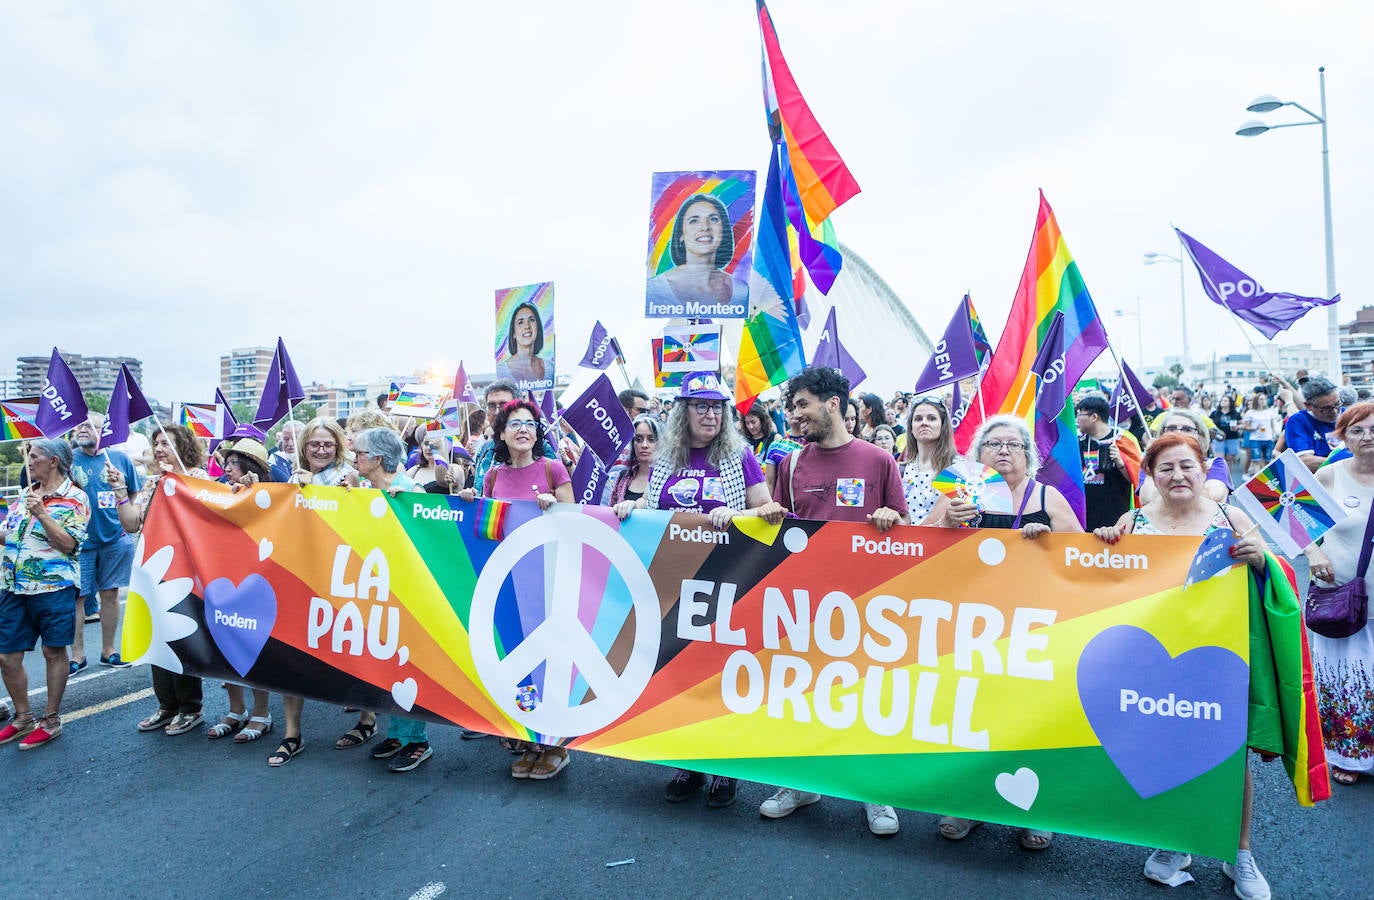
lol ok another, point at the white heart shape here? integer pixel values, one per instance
(404, 693)
(263, 499)
(378, 507)
(1020, 789)
(402, 655)
(169, 487)
(264, 549)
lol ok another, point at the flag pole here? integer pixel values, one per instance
(1121, 373)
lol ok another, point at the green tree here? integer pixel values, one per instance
(1165, 381)
(97, 402)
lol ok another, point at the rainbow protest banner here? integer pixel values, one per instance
(18, 424)
(420, 401)
(1055, 683)
(692, 349)
(1289, 504)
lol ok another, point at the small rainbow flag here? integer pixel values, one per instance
(206, 420)
(1289, 504)
(663, 379)
(691, 350)
(490, 522)
(18, 423)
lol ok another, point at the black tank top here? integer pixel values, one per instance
(1007, 520)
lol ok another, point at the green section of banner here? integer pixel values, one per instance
(443, 553)
(966, 784)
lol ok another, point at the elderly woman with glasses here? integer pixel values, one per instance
(1005, 444)
(1190, 423)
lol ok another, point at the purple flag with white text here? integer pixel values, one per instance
(462, 388)
(588, 480)
(280, 391)
(1127, 396)
(228, 422)
(600, 420)
(600, 349)
(955, 356)
(127, 406)
(1056, 435)
(61, 405)
(1269, 311)
(830, 352)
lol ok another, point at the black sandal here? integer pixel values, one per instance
(289, 749)
(356, 736)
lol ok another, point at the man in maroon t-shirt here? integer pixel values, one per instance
(834, 478)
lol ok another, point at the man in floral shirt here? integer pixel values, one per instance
(39, 583)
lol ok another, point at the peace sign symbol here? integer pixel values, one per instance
(560, 642)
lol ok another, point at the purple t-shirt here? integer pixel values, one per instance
(699, 487)
(527, 482)
(843, 484)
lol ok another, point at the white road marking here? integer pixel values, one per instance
(107, 705)
(429, 891)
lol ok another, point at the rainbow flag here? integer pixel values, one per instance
(1050, 283)
(822, 179)
(663, 379)
(691, 349)
(1289, 504)
(205, 420)
(491, 519)
(18, 424)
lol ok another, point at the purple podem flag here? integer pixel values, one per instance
(462, 388)
(600, 349)
(61, 405)
(1056, 438)
(955, 357)
(228, 423)
(588, 480)
(280, 391)
(127, 406)
(1127, 396)
(600, 420)
(1269, 311)
(831, 353)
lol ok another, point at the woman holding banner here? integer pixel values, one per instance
(631, 483)
(520, 473)
(1005, 444)
(1344, 667)
(702, 465)
(929, 451)
(1178, 466)
(322, 456)
(175, 449)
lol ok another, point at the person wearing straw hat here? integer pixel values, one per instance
(39, 581)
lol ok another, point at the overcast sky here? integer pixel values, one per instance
(180, 179)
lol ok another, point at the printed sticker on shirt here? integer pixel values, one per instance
(1091, 473)
(713, 488)
(105, 499)
(684, 492)
(849, 492)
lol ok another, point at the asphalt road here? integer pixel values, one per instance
(106, 811)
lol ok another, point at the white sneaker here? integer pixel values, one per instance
(1250, 884)
(1164, 865)
(881, 819)
(785, 802)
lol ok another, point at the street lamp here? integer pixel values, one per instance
(1139, 331)
(1268, 103)
(1153, 258)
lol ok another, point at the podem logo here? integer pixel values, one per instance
(560, 643)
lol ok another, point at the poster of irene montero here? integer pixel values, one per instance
(524, 335)
(701, 245)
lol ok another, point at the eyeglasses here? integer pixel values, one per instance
(1186, 429)
(361, 453)
(1359, 433)
(320, 445)
(1335, 407)
(521, 424)
(1009, 446)
(706, 409)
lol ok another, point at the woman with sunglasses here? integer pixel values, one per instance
(702, 465)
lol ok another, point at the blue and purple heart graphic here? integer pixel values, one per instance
(1163, 721)
(684, 492)
(240, 618)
